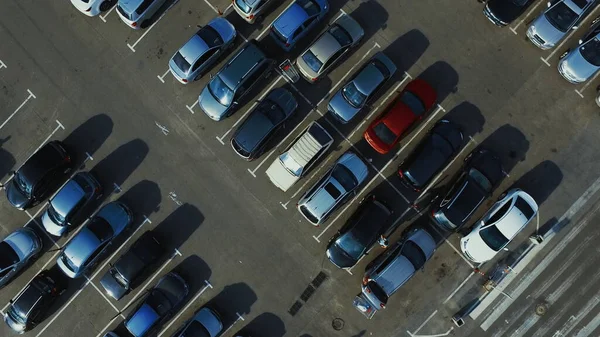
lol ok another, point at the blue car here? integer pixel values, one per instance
(297, 20)
(158, 305)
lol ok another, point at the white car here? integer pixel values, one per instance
(499, 226)
(93, 7)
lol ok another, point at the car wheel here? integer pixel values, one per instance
(502, 196)
(145, 24)
(564, 54)
(106, 5)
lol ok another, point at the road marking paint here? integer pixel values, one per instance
(106, 298)
(590, 327)
(31, 95)
(375, 45)
(454, 248)
(545, 61)
(191, 107)
(103, 17)
(436, 335)
(526, 16)
(147, 30)
(220, 139)
(579, 92)
(161, 78)
(63, 308)
(240, 318)
(207, 285)
(425, 322)
(458, 288)
(269, 26)
(212, 7)
(2, 65)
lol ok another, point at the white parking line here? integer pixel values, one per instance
(19, 108)
(425, 322)
(213, 7)
(454, 248)
(103, 17)
(385, 99)
(375, 45)
(2, 65)
(580, 91)
(458, 288)
(240, 318)
(106, 298)
(269, 25)
(220, 139)
(514, 28)
(161, 78)
(88, 280)
(191, 107)
(208, 285)
(132, 47)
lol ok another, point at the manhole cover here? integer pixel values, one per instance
(541, 309)
(337, 324)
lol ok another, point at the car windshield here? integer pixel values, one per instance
(210, 36)
(69, 263)
(181, 62)
(350, 246)
(311, 7)
(413, 102)
(101, 229)
(243, 6)
(481, 180)
(8, 257)
(591, 51)
(353, 95)
(22, 184)
(290, 164)
(345, 177)
(561, 16)
(54, 215)
(341, 35)
(312, 61)
(220, 91)
(493, 237)
(384, 133)
(195, 329)
(414, 254)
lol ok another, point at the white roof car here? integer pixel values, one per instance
(299, 156)
(499, 226)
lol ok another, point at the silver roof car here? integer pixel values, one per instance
(206, 322)
(337, 185)
(249, 10)
(354, 95)
(555, 22)
(581, 63)
(335, 42)
(202, 50)
(16, 251)
(86, 247)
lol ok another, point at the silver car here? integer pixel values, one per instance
(206, 322)
(17, 250)
(137, 13)
(352, 97)
(556, 21)
(202, 50)
(84, 250)
(335, 188)
(249, 10)
(68, 207)
(579, 64)
(334, 43)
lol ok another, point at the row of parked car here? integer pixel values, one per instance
(72, 205)
(577, 64)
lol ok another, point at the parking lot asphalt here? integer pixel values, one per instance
(104, 90)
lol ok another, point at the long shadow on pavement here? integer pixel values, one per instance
(179, 226)
(234, 299)
(266, 324)
(89, 136)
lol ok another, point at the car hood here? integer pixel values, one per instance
(475, 248)
(211, 106)
(577, 66)
(212, 323)
(341, 108)
(338, 257)
(112, 287)
(15, 196)
(224, 28)
(544, 29)
(24, 242)
(51, 227)
(280, 176)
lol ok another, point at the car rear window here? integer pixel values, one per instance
(481, 180)
(413, 102)
(312, 61)
(341, 35)
(101, 229)
(381, 67)
(345, 177)
(414, 254)
(499, 213)
(525, 208)
(493, 237)
(210, 36)
(561, 16)
(377, 291)
(591, 51)
(122, 11)
(384, 133)
(181, 62)
(8, 257)
(143, 6)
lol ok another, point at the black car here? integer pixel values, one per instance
(263, 122)
(481, 175)
(157, 306)
(39, 176)
(127, 271)
(431, 155)
(30, 306)
(359, 233)
(503, 12)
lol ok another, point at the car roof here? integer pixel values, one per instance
(193, 49)
(372, 217)
(290, 20)
(239, 65)
(45, 159)
(399, 117)
(68, 197)
(325, 47)
(577, 6)
(81, 246)
(130, 5)
(29, 298)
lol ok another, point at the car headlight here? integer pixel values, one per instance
(464, 244)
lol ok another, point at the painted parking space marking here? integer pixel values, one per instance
(220, 139)
(30, 96)
(206, 286)
(162, 78)
(582, 89)
(103, 17)
(104, 296)
(514, 28)
(239, 318)
(147, 30)
(191, 107)
(453, 247)
(2, 65)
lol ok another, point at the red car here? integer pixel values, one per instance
(409, 107)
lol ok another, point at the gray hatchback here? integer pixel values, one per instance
(241, 73)
(17, 250)
(270, 114)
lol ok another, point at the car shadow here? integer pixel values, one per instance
(234, 299)
(468, 117)
(407, 49)
(266, 324)
(509, 143)
(120, 164)
(162, 10)
(89, 137)
(442, 77)
(195, 271)
(143, 199)
(179, 226)
(540, 181)
(7, 160)
(73, 286)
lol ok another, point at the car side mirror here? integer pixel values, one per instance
(575, 27)
(210, 75)
(235, 103)
(549, 4)
(505, 249)
(580, 41)
(199, 26)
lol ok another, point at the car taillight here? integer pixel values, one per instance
(314, 79)
(133, 24)
(400, 174)
(382, 306)
(251, 17)
(183, 80)
(67, 159)
(368, 290)
(365, 280)
(89, 9)
(287, 44)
